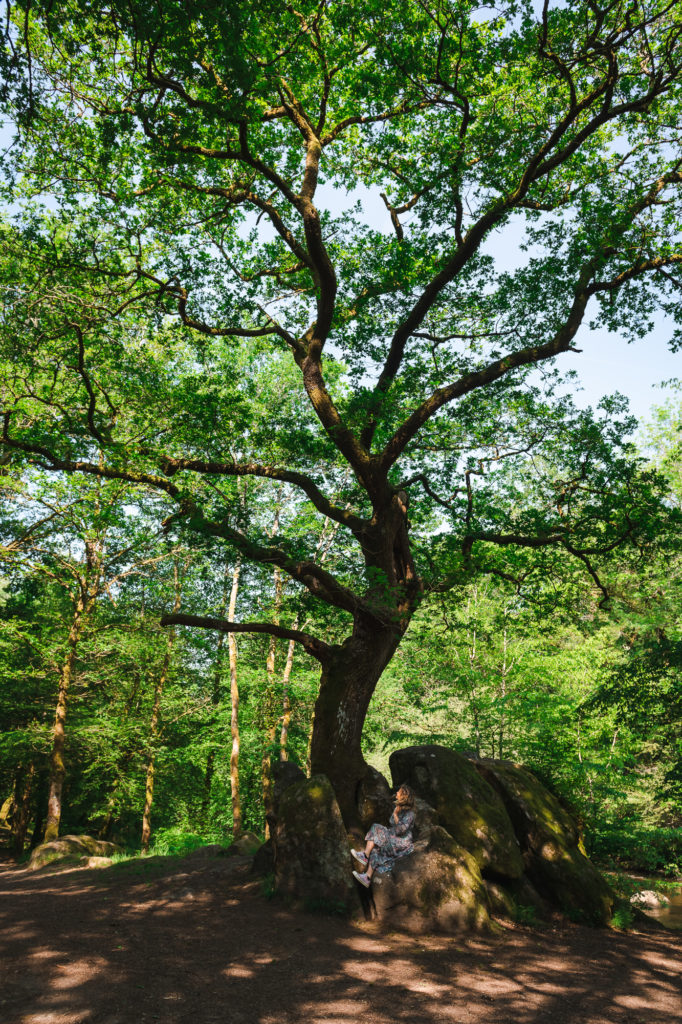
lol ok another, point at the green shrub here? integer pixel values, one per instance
(636, 848)
(525, 915)
(623, 917)
(174, 842)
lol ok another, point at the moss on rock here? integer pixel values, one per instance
(550, 841)
(437, 888)
(466, 804)
(69, 851)
(375, 802)
(246, 846)
(311, 851)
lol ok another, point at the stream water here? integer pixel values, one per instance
(670, 914)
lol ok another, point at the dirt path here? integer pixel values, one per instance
(195, 942)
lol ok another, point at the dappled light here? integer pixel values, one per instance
(201, 944)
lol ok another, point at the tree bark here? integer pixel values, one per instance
(286, 700)
(346, 687)
(153, 736)
(234, 706)
(57, 764)
(88, 591)
(154, 724)
(269, 714)
(353, 669)
(215, 700)
(20, 812)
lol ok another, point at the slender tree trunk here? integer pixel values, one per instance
(57, 766)
(154, 724)
(474, 692)
(20, 813)
(286, 699)
(88, 591)
(503, 694)
(153, 736)
(234, 705)
(270, 717)
(215, 700)
(40, 804)
(266, 776)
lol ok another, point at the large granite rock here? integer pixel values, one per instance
(311, 849)
(436, 888)
(375, 800)
(284, 774)
(554, 861)
(466, 804)
(69, 851)
(247, 845)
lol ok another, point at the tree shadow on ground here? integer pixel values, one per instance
(200, 944)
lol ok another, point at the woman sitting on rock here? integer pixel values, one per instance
(385, 845)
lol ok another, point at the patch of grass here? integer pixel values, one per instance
(525, 915)
(267, 886)
(623, 918)
(174, 842)
(135, 866)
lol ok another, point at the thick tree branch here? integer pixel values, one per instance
(538, 166)
(356, 524)
(55, 463)
(561, 342)
(317, 648)
(317, 580)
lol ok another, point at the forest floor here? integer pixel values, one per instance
(195, 941)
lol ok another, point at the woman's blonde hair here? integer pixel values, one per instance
(409, 792)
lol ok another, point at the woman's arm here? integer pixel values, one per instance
(402, 822)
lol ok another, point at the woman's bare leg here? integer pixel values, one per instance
(369, 847)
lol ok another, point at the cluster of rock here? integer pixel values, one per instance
(73, 852)
(491, 840)
(647, 899)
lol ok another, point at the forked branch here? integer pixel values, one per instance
(315, 647)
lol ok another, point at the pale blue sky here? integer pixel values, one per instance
(606, 364)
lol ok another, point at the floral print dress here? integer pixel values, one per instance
(392, 841)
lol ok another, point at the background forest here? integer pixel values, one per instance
(264, 453)
(171, 734)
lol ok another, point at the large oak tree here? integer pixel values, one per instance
(215, 175)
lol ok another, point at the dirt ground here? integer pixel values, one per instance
(196, 942)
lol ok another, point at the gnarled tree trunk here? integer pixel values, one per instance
(352, 670)
(346, 687)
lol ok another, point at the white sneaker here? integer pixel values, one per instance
(360, 857)
(363, 879)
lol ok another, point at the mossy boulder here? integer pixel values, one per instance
(69, 851)
(375, 801)
(436, 888)
(466, 804)
(284, 774)
(554, 860)
(263, 862)
(245, 846)
(311, 850)
(96, 862)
